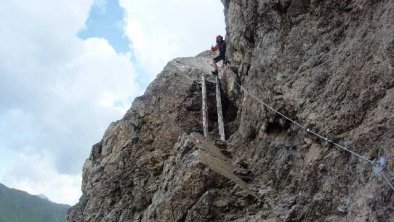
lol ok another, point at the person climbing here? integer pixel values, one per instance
(221, 46)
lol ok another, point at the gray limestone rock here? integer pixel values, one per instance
(326, 64)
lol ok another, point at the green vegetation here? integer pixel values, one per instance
(19, 206)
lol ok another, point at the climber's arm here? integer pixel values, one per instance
(214, 48)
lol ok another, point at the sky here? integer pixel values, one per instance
(69, 69)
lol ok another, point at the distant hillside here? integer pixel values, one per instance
(19, 206)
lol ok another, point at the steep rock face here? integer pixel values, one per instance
(326, 64)
(124, 175)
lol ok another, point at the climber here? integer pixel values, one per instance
(221, 45)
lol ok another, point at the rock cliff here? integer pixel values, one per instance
(326, 64)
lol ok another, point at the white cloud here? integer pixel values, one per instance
(163, 30)
(53, 85)
(97, 70)
(34, 173)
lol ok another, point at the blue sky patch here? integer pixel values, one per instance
(6, 156)
(106, 21)
(119, 104)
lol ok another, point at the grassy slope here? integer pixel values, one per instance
(19, 206)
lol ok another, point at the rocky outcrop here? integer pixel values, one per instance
(326, 64)
(143, 170)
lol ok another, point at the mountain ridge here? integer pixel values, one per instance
(18, 206)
